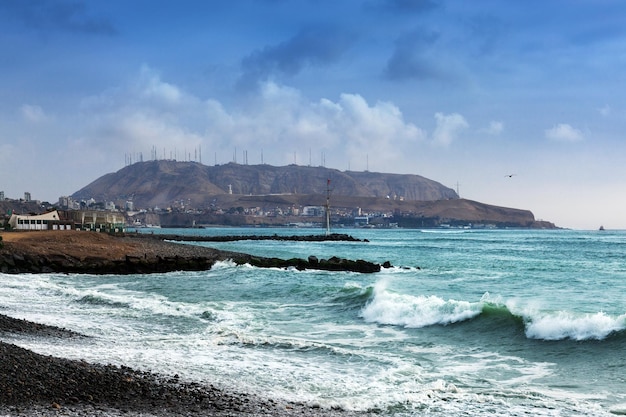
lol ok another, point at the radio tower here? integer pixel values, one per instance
(328, 207)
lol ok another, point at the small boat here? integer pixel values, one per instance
(601, 228)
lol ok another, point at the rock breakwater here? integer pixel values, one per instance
(97, 253)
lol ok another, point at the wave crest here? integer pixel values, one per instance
(563, 325)
(416, 311)
(410, 311)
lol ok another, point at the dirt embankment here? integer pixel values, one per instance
(99, 253)
(89, 252)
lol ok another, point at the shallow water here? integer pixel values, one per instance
(468, 322)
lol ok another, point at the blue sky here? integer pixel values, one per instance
(461, 92)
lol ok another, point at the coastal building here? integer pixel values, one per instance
(66, 202)
(1, 195)
(96, 220)
(46, 221)
(361, 221)
(313, 211)
(27, 196)
(99, 221)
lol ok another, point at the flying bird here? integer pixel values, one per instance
(510, 175)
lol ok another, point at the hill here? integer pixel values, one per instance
(234, 194)
(163, 183)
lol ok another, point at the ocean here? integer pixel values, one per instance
(466, 322)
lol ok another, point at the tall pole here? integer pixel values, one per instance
(328, 207)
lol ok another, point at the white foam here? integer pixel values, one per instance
(566, 325)
(405, 310)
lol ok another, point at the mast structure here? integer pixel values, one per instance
(328, 207)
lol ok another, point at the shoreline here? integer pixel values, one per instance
(100, 253)
(32, 384)
(35, 385)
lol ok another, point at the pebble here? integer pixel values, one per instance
(37, 385)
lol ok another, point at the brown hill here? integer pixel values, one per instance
(163, 183)
(455, 212)
(234, 194)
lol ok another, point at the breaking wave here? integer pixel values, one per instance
(411, 311)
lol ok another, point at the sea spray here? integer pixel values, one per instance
(389, 307)
(566, 325)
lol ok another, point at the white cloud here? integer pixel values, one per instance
(495, 128)
(282, 121)
(378, 130)
(563, 132)
(33, 114)
(279, 121)
(153, 88)
(448, 128)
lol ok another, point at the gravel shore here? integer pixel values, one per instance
(38, 385)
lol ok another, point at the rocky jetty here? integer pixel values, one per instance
(312, 262)
(333, 237)
(98, 253)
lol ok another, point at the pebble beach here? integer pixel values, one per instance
(35, 385)
(32, 384)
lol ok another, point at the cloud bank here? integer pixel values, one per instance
(279, 121)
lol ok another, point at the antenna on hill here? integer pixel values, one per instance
(457, 189)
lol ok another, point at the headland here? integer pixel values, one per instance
(134, 253)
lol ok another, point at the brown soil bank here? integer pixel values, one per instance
(89, 252)
(99, 253)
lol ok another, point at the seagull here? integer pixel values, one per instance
(510, 175)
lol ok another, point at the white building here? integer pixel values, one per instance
(46, 221)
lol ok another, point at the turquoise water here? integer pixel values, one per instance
(467, 322)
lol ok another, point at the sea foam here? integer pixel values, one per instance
(564, 325)
(415, 311)
(387, 307)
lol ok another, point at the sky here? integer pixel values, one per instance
(513, 103)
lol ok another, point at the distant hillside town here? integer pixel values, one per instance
(188, 194)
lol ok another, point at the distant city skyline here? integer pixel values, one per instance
(463, 93)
